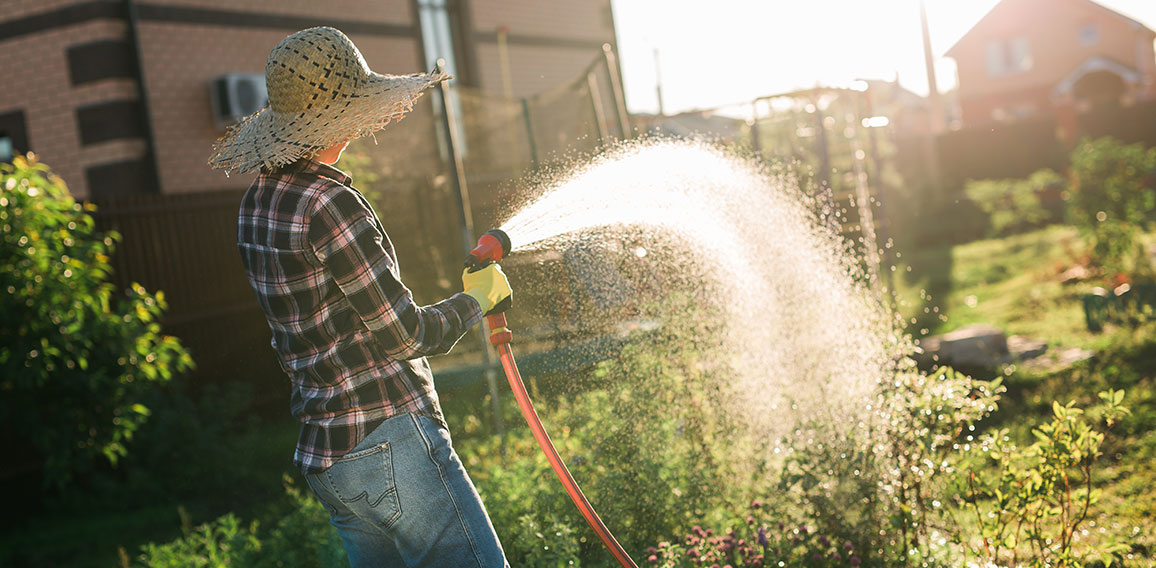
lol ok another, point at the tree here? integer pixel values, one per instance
(76, 358)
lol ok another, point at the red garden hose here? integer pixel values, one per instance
(500, 338)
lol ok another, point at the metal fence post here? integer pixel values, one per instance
(530, 132)
(616, 89)
(596, 105)
(465, 218)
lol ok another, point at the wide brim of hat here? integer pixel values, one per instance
(269, 138)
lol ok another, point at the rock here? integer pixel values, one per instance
(973, 345)
(1020, 347)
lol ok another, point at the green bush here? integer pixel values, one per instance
(1030, 503)
(301, 539)
(1113, 198)
(1015, 205)
(76, 359)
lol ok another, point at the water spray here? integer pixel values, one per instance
(491, 247)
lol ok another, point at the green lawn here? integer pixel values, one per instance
(1011, 283)
(1014, 284)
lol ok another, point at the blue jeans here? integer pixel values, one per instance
(402, 498)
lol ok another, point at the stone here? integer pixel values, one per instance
(972, 345)
(1021, 348)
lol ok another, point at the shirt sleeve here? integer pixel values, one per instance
(345, 237)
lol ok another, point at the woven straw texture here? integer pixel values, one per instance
(321, 92)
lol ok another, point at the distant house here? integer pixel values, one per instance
(1058, 58)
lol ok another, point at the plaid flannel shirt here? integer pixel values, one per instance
(346, 330)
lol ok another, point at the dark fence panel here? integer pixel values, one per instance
(185, 246)
(1130, 124)
(1003, 150)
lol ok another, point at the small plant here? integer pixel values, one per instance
(77, 359)
(1032, 503)
(300, 539)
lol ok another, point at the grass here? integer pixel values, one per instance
(1014, 284)
(1011, 283)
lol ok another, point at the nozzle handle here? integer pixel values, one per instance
(502, 306)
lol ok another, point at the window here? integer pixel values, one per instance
(1008, 57)
(1020, 55)
(437, 35)
(1089, 34)
(995, 59)
(13, 135)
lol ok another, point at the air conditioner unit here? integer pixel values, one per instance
(236, 96)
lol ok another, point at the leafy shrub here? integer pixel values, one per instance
(223, 542)
(1113, 197)
(301, 539)
(76, 360)
(1031, 504)
(1016, 205)
(646, 443)
(881, 486)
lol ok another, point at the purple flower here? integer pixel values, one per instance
(803, 530)
(816, 557)
(824, 541)
(780, 526)
(848, 545)
(652, 559)
(854, 560)
(762, 536)
(652, 550)
(692, 554)
(755, 504)
(837, 556)
(750, 520)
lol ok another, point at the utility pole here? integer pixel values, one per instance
(658, 82)
(938, 121)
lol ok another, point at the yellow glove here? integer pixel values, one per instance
(488, 286)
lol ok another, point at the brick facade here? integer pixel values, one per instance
(184, 44)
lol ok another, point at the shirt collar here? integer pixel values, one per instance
(307, 165)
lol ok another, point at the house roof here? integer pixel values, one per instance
(986, 17)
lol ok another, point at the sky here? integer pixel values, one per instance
(720, 52)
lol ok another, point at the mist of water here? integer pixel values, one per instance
(802, 329)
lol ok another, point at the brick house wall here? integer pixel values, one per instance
(1060, 36)
(92, 131)
(546, 47)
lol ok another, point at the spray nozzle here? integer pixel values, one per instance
(491, 247)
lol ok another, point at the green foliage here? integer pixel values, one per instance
(1015, 205)
(548, 543)
(1031, 504)
(301, 539)
(76, 359)
(223, 542)
(1113, 197)
(891, 474)
(646, 442)
(759, 541)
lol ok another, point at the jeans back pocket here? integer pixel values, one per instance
(365, 484)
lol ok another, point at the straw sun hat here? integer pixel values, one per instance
(321, 92)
